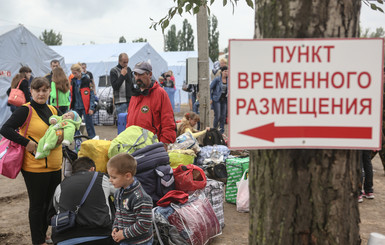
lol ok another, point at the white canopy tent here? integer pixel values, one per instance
(19, 47)
(100, 58)
(177, 63)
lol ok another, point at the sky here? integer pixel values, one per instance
(102, 22)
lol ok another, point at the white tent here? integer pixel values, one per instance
(177, 63)
(100, 58)
(19, 47)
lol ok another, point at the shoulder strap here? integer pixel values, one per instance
(28, 119)
(57, 98)
(19, 84)
(87, 192)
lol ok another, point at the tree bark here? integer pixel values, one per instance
(305, 196)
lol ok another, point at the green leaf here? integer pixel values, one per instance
(211, 2)
(380, 9)
(180, 11)
(196, 9)
(250, 3)
(208, 11)
(188, 7)
(380, 1)
(373, 6)
(224, 2)
(165, 24)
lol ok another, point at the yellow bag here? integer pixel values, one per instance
(97, 150)
(178, 157)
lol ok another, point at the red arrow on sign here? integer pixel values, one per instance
(269, 132)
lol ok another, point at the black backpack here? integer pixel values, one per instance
(213, 137)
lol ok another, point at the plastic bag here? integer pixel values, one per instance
(243, 196)
(196, 220)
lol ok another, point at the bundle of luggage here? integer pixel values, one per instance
(186, 182)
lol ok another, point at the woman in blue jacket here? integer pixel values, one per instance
(218, 96)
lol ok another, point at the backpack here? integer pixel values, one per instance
(130, 140)
(213, 137)
(153, 170)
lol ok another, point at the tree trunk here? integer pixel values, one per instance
(305, 196)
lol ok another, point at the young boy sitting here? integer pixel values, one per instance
(65, 126)
(133, 216)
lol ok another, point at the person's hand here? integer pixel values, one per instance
(211, 101)
(117, 235)
(31, 147)
(123, 71)
(60, 136)
(90, 112)
(208, 128)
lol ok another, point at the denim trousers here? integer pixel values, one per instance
(220, 111)
(89, 123)
(121, 108)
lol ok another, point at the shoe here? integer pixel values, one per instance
(360, 198)
(48, 241)
(369, 195)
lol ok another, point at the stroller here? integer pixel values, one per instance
(69, 156)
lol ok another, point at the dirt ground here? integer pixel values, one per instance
(14, 227)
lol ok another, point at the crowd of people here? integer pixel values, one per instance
(129, 219)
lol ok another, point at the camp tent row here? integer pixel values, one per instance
(19, 47)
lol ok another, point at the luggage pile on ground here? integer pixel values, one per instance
(188, 183)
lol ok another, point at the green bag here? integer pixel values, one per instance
(235, 168)
(131, 139)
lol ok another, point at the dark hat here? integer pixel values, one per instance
(142, 67)
(224, 68)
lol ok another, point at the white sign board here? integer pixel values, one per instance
(305, 93)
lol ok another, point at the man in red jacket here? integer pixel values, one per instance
(150, 107)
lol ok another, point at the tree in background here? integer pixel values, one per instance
(51, 38)
(122, 39)
(380, 32)
(186, 37)
(171, 42)
(140, 40)
(213, 38)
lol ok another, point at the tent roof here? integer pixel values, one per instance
(97, 52)
(178, 58)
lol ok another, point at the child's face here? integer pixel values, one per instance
(119, 180)
(69, 115)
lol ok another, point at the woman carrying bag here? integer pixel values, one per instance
(21, 78)
(60, 90)
(40, 176)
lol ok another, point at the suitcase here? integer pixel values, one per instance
(235, 168)
(122, 121)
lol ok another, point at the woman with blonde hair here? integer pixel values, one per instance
(83, 97)
(60, 90)
(23, 77)
(188, 123)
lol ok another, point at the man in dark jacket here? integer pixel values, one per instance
(53, 64)
(122, 84)
(96, 215)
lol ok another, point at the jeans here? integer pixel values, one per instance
(121, 108)
(367, 172)
(220, 110)
(89, 123)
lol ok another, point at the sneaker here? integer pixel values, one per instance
(369, 195)
(360, 198)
